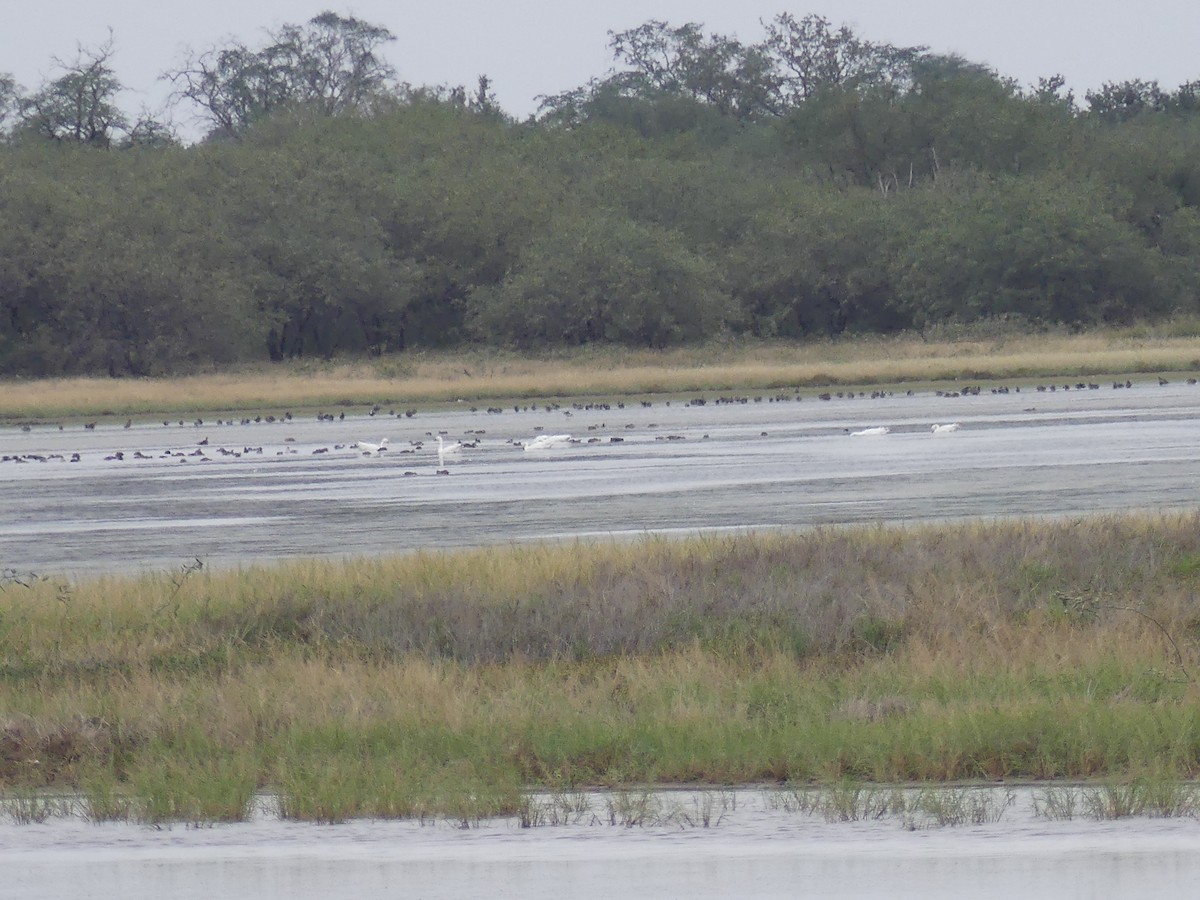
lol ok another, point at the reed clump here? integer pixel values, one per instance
(1150, 795)
(445, 685)
(927, 807)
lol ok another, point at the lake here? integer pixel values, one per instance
(271, 490)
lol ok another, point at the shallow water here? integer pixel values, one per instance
(675, 468)
(753, 848)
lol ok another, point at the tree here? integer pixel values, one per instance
(813, 57)
(1186, 100)
(854, 135)
(952, 113)
(1121, 101)
(299, 190)
(717, 70)
(963, 114)
(1037, 248)
(335, 62)
(331, 64)
(463, 195)
(80, 105)
(665, 64)
(815, 262)
(798, 61)
(149, 132)
(108, 265)
(568, 109)
(1151, 164)
(1048, 91)
(596, 277)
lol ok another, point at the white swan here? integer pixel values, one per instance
(549, 441)
(444, 448)
(369, 448)
(871, 432)
(945, 429)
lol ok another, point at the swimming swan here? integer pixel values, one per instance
(945, 429)
(368, 448)
(549, 441)
(871, 432)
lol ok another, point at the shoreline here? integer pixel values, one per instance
(990, 653)
(446, 379)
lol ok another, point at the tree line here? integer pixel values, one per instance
(810, 185)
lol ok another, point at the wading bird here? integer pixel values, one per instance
(444, 448)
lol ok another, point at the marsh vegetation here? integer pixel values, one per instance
(450, 684)
(432, 378)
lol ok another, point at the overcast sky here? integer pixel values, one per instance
(532, 47)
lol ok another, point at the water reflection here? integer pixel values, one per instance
(755, 844)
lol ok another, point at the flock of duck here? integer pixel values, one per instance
(203, 452)
(453, 449)
(445, 450)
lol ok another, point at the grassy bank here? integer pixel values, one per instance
(446, 684)
(435, 378)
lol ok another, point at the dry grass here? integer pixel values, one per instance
(441, 683)
(825, 593)
(423, 377)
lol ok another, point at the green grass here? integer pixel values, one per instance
(449, 685)
(1151, 795)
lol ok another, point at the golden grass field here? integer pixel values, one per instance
(432, 378)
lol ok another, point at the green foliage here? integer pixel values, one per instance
(1122, 101)
(603, 278)
(811, 56)
(79, 106)
(1186, 565)
(811, 184)
(318, 785)
(106, 276)
(1040, 248)
(416, 687)
(878, 635)
(171, 787)
(798, 272)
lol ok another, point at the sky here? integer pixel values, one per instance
(542, 47)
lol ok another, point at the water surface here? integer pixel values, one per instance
(751, 849)
(787, 463)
